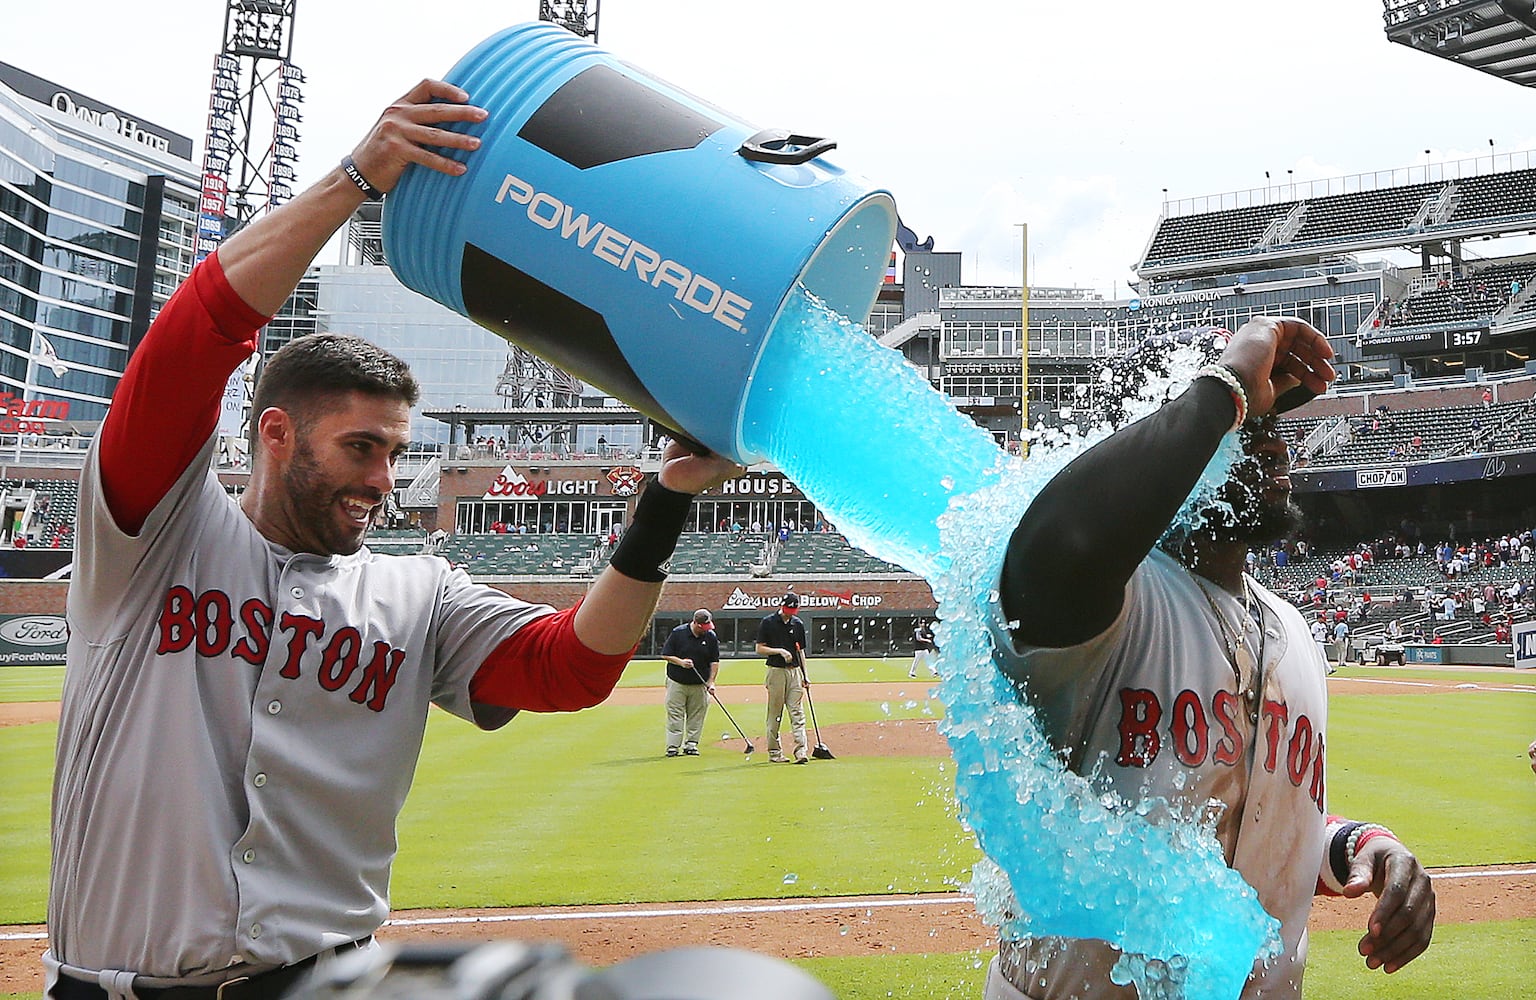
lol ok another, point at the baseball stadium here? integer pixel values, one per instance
(1415, 568)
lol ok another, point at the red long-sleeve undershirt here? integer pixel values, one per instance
(167, 405)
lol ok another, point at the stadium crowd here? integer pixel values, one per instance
(1485, 585)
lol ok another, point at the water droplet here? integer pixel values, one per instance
(791, 878)
(843, 930)
(948, 482)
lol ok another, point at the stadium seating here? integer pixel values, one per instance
(1443, 432)
(55, 502)
(1342, 218)
(522, 555)
(1474, 296)
(397, 541)
(1185, 237)
(1385, 575)
(827, 552)
(718, 553)
(1363, 213)
(1494, 196)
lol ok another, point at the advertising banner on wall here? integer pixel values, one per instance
(26, 639)
(1506, 465)
(1524, 639)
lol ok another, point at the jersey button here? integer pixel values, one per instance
(297, 591)
(249, 855)
(260, 780)
(255, 930)
(274, 706)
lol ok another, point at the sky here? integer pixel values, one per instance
(1072, 118)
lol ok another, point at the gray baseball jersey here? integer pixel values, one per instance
(1154, 702)
(281, 699)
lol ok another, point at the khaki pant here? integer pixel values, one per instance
(686, 705)
(785, 690)
(998, 987)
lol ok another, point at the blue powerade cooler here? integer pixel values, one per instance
(633, 235)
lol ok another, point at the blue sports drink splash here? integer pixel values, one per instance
(912, 481)
(615, 226)
(885, 451)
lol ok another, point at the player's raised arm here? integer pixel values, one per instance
(265, 261)
(166, 404)
(1073, 551)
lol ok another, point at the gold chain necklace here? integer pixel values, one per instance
(1235, 645)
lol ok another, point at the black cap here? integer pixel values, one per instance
(790, 601)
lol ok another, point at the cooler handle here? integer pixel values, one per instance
(768, 145)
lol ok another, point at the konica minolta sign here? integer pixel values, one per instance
(88, 109)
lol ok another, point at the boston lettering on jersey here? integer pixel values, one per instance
(207, 622)
(1190, 730)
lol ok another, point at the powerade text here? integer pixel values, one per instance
(618, 250)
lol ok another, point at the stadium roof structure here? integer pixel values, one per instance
(550, 415)
(1308, 222)
(1497, 37)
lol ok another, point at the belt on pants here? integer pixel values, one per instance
(269, 985)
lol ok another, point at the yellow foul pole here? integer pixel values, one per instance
(1024, 338)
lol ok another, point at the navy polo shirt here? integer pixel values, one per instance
(775, 631)
(703, 649)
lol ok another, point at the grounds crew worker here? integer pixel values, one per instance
(692, 652)
(781, 638)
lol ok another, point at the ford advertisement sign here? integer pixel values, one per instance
(32, 639)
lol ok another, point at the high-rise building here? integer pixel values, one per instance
(98, 219)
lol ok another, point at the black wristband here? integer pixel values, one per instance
(349, 167)
(651, 537)
(1338, 853)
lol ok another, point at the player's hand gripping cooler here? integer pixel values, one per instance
(514, 970)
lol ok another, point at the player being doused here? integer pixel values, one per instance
(1159, 666)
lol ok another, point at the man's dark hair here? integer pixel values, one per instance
(309, 375)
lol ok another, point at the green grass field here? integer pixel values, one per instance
(31, 683)
(583, 809)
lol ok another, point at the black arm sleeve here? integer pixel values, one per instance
(652, 535)
(1073, 551)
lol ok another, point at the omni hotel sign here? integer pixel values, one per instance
(87, 109)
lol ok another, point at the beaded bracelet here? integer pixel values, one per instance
(1361, 835)
(1228, 377)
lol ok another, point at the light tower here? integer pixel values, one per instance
(579, 17)
(527, 381)
(250, 148)
(253, 116)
